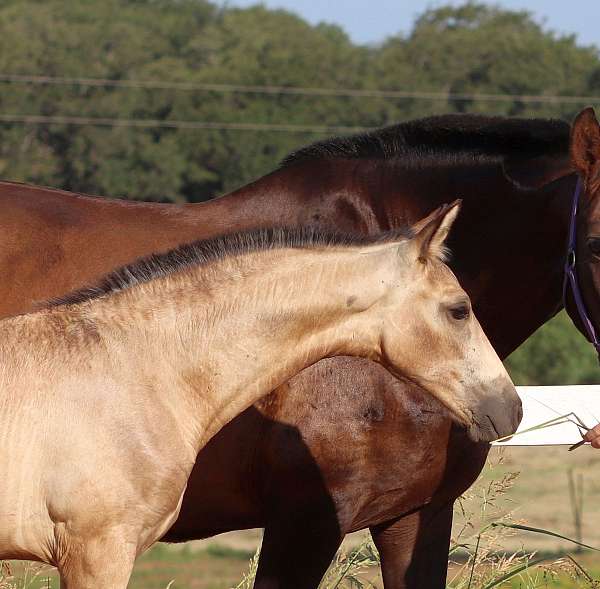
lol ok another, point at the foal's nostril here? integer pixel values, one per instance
(517, 408)
(519, 412)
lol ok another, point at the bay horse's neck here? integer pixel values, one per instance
(508, 245)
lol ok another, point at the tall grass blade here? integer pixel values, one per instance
(474, 562)
(580, 568)
(542, 531)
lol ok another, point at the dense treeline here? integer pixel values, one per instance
(473, 48)
(460, 50)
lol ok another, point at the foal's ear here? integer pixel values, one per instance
(585, 147)
(431, 232)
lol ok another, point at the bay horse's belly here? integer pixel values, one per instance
(378, 443)
(343, 437)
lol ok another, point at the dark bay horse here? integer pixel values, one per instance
(343, 446)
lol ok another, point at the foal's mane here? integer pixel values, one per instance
(452, 137)
(203, 252)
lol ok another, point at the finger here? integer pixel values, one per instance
(592, 434)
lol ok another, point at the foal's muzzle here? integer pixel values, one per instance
(497, 415)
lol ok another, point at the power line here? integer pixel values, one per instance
(295, 90)
(154, 124)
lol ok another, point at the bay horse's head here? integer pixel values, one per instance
(448, 353)
(582, 286)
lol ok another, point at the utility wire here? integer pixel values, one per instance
(150, 123)
(295, 90)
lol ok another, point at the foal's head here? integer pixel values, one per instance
(448, 353)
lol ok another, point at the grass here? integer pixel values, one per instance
(542, 494)
(219, 567)
(482, 554)
(493, 544)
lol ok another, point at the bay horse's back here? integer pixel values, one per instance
(53, 241)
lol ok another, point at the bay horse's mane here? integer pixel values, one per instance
(205, 251)
(451, 137)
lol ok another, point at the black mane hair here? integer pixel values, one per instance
(452, 136)
(205, 251)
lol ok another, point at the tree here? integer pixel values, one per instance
(555, 354)
(476, 48)
(472, 48)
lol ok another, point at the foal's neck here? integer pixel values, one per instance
(263, 318)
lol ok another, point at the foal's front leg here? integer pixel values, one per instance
(104, 561)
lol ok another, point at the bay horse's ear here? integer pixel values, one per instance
(585, 148)
(432, 231)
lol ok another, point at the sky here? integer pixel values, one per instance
(370, 21)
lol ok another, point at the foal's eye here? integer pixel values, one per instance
(460, 312)
(594, 245)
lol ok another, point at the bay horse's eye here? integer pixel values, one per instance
(460, 312)
(594, 245)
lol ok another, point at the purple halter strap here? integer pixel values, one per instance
(571, 273)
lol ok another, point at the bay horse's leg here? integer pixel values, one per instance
(414, 548)
(296, 551)
(101, 562)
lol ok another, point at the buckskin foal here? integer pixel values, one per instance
(107, 397)
(342, 449)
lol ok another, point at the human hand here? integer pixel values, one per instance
(593, 436)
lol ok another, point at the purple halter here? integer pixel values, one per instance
(571, 273)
